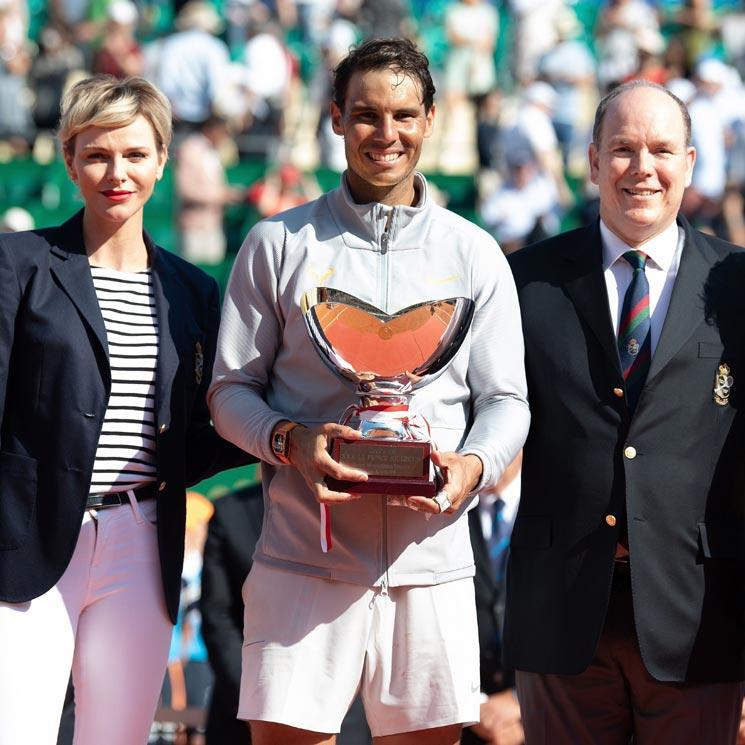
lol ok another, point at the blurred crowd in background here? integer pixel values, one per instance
(517, 80)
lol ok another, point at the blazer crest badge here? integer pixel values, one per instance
(723, 383)
(198, 362)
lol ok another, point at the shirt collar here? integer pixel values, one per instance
(660, 249)
(510, 495)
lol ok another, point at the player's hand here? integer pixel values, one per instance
(309, 454)
(499, 720)
(460, 474)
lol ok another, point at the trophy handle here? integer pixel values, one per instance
(347, 414)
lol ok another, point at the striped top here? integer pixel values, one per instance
(125, 456)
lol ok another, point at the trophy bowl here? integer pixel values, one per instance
(387, 357)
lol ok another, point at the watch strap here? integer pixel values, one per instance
(281, 441)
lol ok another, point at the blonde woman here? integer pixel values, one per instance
(107, 345)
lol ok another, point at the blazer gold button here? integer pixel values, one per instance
(618, 392)
(161, 486)
(610, 520)
(163, 428)
(630, 452)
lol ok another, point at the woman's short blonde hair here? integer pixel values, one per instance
(107, 101)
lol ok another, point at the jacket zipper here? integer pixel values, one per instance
(384, 245)
(385, 240)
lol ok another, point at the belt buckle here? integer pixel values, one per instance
(101, 501)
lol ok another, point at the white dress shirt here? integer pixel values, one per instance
(664, 252)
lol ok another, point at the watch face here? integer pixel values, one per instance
(279, 443)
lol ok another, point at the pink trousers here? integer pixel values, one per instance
(106, 620)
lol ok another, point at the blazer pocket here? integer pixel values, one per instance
(18, 497)
(532, 531)
(710, 349)
(722, 540)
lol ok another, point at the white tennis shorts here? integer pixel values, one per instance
(311, 644)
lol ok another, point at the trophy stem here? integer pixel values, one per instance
(386, 418)
(388, 402)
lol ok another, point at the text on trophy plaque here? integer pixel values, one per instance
(378, 459)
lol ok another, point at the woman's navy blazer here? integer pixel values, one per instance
(55, 382)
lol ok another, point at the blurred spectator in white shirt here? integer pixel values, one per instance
(313, 18)
(262, 80)
(712, 129)
(534, 34)
(533, 126)
(616, 29)
(341, 35)
(524, 208)
(16, 123)
(189, 66)
(570, 69)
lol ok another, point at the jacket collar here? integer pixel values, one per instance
(168, 289)
(585, 285)
(363, 225)
(74, 276)
(686, 309)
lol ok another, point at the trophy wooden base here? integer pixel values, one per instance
(397, 467)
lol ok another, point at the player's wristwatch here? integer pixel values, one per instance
(281, 441)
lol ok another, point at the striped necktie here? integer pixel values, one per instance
(634, 343)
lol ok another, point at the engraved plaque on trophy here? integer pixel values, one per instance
(388, 357)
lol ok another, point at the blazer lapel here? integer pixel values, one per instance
(166, 287)
(585, 285)
(73, 274)
(685, 313)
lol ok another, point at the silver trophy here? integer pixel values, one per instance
(387, 357)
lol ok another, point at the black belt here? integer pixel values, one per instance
(114, 499)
